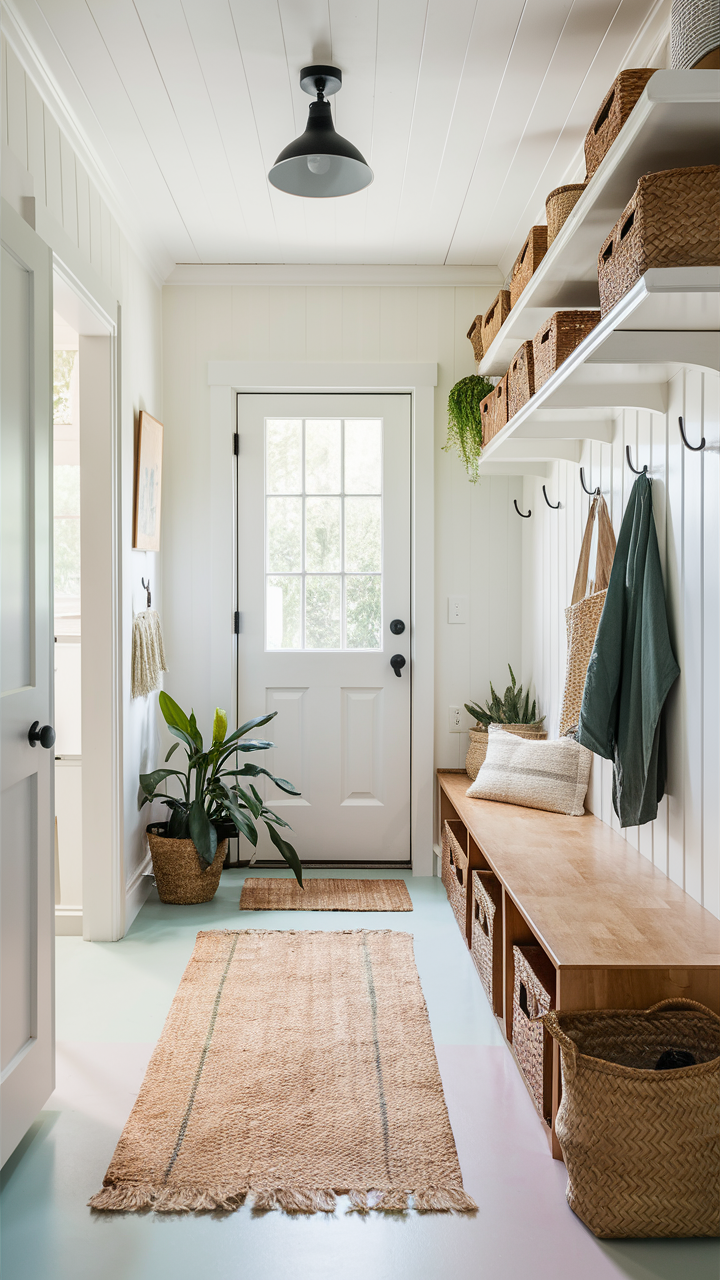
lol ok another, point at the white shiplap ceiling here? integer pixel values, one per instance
(468, 111)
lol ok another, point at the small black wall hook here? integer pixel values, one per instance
(591, 493)
(522, 513)
(146, 585)
(639, 471)
(694, 448)
(554, 506)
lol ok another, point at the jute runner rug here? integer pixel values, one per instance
(325, 895)
(294, 1066)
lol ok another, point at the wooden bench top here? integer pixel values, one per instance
(588, 896)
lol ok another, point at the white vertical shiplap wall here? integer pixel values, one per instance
(38, 161)
(684, 840)
(478, 538)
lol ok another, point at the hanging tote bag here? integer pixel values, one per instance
(583, 614)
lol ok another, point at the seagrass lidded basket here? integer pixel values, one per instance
(454, 869)
(673, 220)
(557, 338)
(474, 333)
(641, 1145)
(612, 114)
(180, 874)
(521, 379)
(486, 943)
(494, 411)
(528, 261)
(559, 205)
(495, 317)
(533, 995)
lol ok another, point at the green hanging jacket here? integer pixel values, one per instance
(632, 668)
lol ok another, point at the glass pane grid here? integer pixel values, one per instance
(323, 533)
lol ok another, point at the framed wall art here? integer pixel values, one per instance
(148, 484)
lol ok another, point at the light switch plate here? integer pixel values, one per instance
(457, 609)
(454, 720)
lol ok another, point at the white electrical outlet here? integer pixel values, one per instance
(457, 609)
(454, 724)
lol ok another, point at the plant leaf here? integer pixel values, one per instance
(287, 852)
(219, 726)
(202, 832)
(151, 781)
(254, 770)
(173, 748)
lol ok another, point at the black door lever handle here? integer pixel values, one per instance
(397, 662)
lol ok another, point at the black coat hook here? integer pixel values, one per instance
(146, 585)
(521, 513)
(591, 493)
(695, 448)
(639, 471)
(554, 506)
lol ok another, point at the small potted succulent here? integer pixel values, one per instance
(514, 714)
(188, 850)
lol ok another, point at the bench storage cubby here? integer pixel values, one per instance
(533, 995)
(455, 869)
(486, 932)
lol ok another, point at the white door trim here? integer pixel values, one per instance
(226, 378)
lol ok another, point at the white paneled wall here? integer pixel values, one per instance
(478, 537)
(684, 840)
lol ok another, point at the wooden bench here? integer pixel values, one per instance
(618, 932)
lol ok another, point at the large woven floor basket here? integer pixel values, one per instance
(641, 1146)
(180, 875)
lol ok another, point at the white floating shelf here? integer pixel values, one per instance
(673, 124)
(624, 362)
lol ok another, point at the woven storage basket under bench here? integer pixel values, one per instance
(455, 870)
(533, 995)
(486, 946)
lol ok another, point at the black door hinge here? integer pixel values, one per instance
(236, 622)
(236, 443)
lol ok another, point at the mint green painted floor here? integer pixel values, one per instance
(112, 1000)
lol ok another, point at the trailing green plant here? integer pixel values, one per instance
(211, 795)
(510, 709)
(464, 422)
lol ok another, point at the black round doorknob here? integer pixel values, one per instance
(45, 736)
(397, 626)
(397, 662)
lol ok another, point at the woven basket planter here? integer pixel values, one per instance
(528, 261)
(673, 220)
(477, 750)
(559, 205)
(613, 113)
(694, 33)
(495, 317)
(642, 1147)
(494, 411)
(533, 995)
(474, 333)
(521, 379)
(559, 336)
(180, 874)
(455, 869)
(486, 944)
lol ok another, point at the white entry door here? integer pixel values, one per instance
(324, 600)
(27, 1050)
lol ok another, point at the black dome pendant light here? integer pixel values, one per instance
(320, 162)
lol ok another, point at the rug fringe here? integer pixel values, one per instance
(358, 1202)
(132, 1198)
(391, 1202)
(294, 1200)
(443, 1200)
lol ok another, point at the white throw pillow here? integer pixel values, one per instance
(536, 774)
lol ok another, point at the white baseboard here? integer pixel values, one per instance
(68, 921)
(137, 890)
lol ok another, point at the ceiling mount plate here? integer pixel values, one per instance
(332, 77)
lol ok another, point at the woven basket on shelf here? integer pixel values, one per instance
(613, 113)
(477, 750)
(474, 333)
(673, 220)
(528, 261)
(494, 411)
(486, 944)
(521, 379)
(642, 1147)
(180, 874)
(455, 869)
(559, 336)
(495, 317)
(695, 33)
(533, 995)
(559, 205)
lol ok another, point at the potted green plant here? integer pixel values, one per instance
(464, 420)
(511, 711)
(188, 850)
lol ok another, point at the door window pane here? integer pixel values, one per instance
(362, 535)
(284, 613)
(284, 535)
(363, 610)
(284, 455)
(323, 612)
(322, 535)
(322, 456)
(363, 455)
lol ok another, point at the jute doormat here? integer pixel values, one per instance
(324, 895)
(293, 1066)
